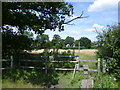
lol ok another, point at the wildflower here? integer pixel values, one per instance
(110, 77)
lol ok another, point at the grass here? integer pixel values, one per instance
(62, 78)
(88, 56)
(65, 81)
(8, 83)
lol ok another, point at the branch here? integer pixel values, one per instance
(76, 18)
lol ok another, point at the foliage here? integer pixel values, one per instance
(109, 48)
(32, 76)
(69, 40)
(56, 39)
(105, 81)
(36, 16)
(56, 55)
(42, 42)
(94, 45)
(28, 34)
(14, 43)
(84, 41)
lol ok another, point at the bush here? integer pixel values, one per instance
(109, 48)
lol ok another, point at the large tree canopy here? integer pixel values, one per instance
(86, 42)
(69, 40)
(36, 16)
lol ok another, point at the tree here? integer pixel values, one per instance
(36, 16)
(42, 41)
(94, 44)
(85, 42)
(28, 34)
(69, 40)
(14, 43)
(109, 48)
(77, 42)
(56, 39)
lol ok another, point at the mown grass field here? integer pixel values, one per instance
(64, 78)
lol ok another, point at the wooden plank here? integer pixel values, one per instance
(67, 56)
(88, 83)
(94, 70)
(88, 60)
(47, 68)
(61, 56)
(5, 68)
(85, 72)
(47, 61)
(85, 67)
(80, 69)
(5, 60)
(84, 83)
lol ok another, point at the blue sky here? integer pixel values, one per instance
(101, 13)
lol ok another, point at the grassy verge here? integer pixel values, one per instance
(8, 83)
(65, 81)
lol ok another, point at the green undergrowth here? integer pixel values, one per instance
(63, 79)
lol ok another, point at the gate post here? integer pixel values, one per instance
(98, 65)
(104, 66)
(78, 62)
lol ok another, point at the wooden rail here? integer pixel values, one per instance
(80, 69)
(47, 61)
(88, 60)
(55, 61)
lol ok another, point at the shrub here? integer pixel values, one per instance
(109, 48)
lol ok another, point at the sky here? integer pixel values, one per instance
(101, 13)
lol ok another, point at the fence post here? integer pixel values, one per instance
(11, 58)
(74, 72)
(77, 59)
(98, 65)
(104, 66)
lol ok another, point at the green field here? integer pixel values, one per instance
(62, 79)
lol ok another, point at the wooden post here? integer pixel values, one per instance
(85, 70)
(98, 65)
(74, 72)
(78, 64)
(79, 48)
(11, 58)
(104, 66)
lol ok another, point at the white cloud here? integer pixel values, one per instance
(101, 5)
(75, 32)
(90, 29)
(98, 26)
(95, 27)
